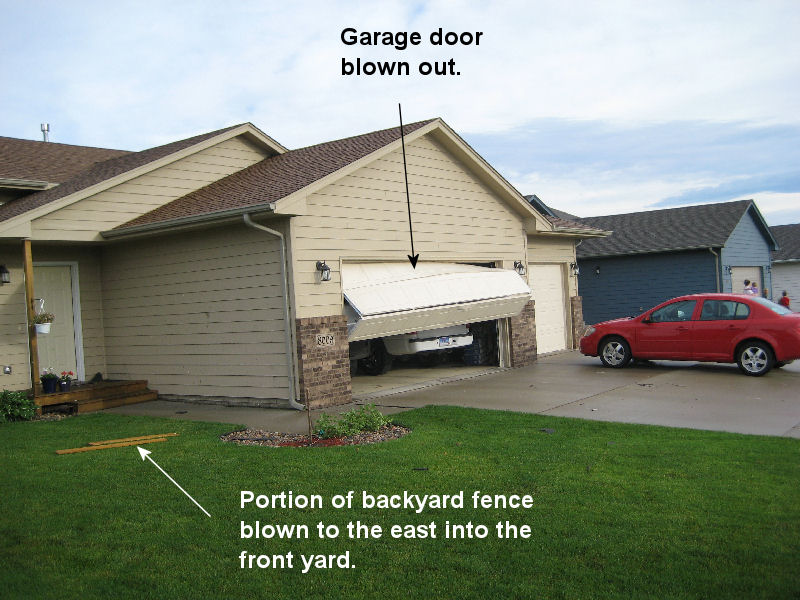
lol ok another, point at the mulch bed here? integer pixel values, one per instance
(257, 437)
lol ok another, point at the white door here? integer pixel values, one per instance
(547, 284)
(53, 284)
(739, 274)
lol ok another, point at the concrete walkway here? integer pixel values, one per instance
(700, 396)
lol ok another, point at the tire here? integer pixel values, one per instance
(379, 360)
(615, 352)
(754, 358)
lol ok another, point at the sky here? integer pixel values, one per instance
(596, 107)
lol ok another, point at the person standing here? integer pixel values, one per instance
(784, 299)
(748, 287)
(754, 289)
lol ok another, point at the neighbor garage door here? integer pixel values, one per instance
(547, 284)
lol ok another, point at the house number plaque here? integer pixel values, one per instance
(325, 339)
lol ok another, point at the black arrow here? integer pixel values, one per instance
(413, 258)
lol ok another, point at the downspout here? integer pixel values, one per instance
(291, 349)
(716, 268)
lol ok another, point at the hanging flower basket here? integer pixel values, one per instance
(42, 322)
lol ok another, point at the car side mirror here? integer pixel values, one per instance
(646, 320)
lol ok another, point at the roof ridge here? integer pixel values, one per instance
(673, 208)
(49, 143)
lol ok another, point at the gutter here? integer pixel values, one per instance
(233, 213)
(291, 348)
(716, 265)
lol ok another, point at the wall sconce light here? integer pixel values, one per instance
(5, 276)
(324, 270)
(575, 269)
(727, 269)
(768, 268)
(519, 267)
(597, 270)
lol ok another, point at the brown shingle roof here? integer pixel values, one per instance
(48, 161)
(788, 237)
(273, 178)
(100, 172)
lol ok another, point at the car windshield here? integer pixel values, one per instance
(773, 306)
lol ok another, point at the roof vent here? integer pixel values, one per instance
(46, 131)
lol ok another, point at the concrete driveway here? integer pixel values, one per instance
(694, 395)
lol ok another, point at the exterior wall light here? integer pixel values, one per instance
(597, 270)
(575, 269)
(324, 270)
(519, 267)
(5, 276)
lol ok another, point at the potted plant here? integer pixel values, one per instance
(42, 322)
(49, 381)
(65, 380)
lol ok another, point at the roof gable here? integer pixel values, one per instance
(670, 230)
(272, 183)
(788, 237)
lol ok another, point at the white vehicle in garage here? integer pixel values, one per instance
(375, 357)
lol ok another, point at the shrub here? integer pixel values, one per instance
(352, 422)
(16, 406)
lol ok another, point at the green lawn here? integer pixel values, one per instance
(619, 511)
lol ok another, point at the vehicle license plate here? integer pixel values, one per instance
(444, 341)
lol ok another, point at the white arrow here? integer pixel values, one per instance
(146, 454)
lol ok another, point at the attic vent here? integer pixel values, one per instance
(46, 131)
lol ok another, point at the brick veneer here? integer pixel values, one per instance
(578, 324)
(522, 331)
(324, 371)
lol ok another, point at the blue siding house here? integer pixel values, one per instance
(655, 255)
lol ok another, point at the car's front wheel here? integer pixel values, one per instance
(615, 352)
(754, 358)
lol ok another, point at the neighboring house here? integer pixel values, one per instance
(655, 255)
(786, 263)
(226, 268)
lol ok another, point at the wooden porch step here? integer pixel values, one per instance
(106, 394)
(114, 401)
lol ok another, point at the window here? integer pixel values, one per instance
(773, 306)
(722, 310)
(677, 311)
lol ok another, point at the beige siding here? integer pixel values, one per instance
(13, 330)
(364, 216)
(84, 219)
(542, 250)
(198, 314)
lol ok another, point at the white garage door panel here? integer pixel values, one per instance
(547, 283)
(391, 298)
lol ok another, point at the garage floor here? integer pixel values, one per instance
(408, 378)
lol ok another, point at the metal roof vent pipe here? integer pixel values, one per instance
(46, 131)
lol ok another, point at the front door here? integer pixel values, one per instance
(53, 285)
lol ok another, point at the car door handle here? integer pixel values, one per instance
(682, 328)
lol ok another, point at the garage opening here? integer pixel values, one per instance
(435, 323)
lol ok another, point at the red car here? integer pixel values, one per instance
(753, 332)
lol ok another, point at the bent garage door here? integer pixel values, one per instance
(547, 283)
(385, 299)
